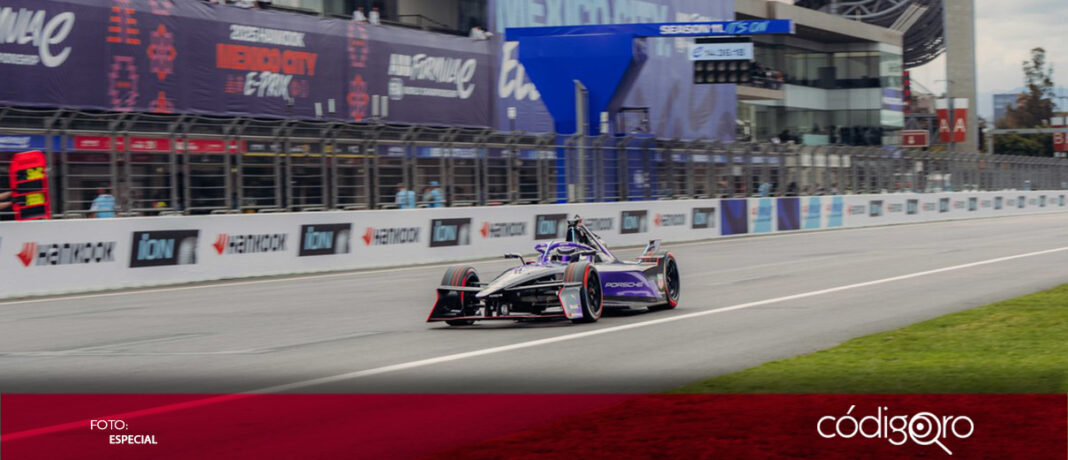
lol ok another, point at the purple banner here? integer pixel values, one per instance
(171, 56)
(676, 107)
(445, 80)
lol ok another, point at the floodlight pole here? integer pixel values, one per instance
(581, 130)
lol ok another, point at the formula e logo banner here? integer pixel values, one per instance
(703, 218)
(166, 247)
(250, 244)
(633, 222)
(67, 253)
(325, 239)
(549, 226)
(450, 232)
(390, 236)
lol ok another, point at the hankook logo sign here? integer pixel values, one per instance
(67, 253)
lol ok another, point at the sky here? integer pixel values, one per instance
(1005, 32)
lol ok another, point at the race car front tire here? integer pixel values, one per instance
(592, 296)
(669, 269)
(461, 276)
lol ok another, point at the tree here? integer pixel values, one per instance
(1033, 108)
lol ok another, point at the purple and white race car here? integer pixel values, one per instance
(574, 279)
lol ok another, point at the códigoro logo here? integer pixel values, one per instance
(923, 428)
(250, 244)
(67, 253)
(389, 236)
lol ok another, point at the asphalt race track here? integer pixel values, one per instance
(744, 301)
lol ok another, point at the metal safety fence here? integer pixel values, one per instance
(165, 165)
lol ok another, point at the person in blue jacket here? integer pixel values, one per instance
(433, 196)
(405, 197)
(103, 205)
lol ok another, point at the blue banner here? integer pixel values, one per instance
(669, 29)
(24, 142)
(668, 103)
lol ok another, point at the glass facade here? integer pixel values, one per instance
(844, 93)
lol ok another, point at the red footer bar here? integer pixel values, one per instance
(533, 426)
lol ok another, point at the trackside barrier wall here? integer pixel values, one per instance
(66, 256)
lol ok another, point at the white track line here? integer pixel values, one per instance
(358, 272)
(488, 351)
(608, 330)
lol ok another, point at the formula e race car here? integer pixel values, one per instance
(575, 279)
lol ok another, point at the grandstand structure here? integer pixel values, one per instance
(211, 108)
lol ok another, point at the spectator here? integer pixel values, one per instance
(374, 17)
(103, 205)
(834, 188)
(358, 16)
(764, 189)
(791, 190)
(264, 4)
(478, 33)
(4, 200)
(433, 197)
(405, 197)
(785, 136)
(245, 3)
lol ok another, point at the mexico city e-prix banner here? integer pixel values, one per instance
(49, 257)
(163, 56)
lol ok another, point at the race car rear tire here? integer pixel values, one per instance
(669, 268)
(592, 291)
(461, 276)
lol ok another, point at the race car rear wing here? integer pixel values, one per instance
(651, 248)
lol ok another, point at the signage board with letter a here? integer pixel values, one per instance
(915, 138)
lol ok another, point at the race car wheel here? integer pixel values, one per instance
(672, 284)
(592, 292)
(464, 302)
